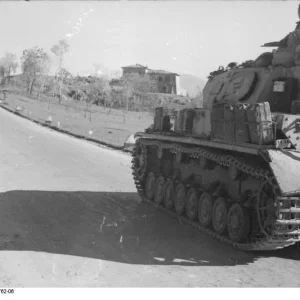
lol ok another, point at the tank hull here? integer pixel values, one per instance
(233, 193)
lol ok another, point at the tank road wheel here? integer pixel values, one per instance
(265, 207)
(192, 204)
(150, 186)
(238, 223)
(159, 190)
(205, 209)
(169, 192)
(219, 215)
(179, 199)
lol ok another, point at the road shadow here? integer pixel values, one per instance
(110, 226)
(291, 252)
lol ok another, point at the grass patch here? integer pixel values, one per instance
(109, 126)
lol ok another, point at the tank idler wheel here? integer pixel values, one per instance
(169, 192)
(150, 186)
(138, 165)
(219, 215)
(192, 204)
(141, 160)
(159, 190)
(205, 209)
(238, 223)
(179, 199)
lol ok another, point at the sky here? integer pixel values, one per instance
(192, 37)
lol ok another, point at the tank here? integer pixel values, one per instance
(232, 168)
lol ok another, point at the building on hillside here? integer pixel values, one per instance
(166, 81)
(134, 69)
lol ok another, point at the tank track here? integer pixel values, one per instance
(264, 243)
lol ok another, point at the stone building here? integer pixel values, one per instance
(134, 69)
(165, 81)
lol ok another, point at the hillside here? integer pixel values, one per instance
(18, 83)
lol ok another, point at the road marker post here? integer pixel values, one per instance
(49, 120)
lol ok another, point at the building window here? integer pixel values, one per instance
(160, 79)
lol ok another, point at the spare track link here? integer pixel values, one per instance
(261, 244)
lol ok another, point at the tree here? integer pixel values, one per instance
(9, 64)
(95, 91)
(63, 76)
(35, 62)
(59, 51)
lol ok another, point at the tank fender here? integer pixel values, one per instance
(290, 126)
(285, 166)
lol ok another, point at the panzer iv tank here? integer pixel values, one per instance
(232, 168)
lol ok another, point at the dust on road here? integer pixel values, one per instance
(70, 216)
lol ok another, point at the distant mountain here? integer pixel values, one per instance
(191, 84)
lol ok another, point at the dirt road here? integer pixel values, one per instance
(69, 216)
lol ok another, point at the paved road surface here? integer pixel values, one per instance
(69, 216)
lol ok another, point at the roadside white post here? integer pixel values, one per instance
(49, 120)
